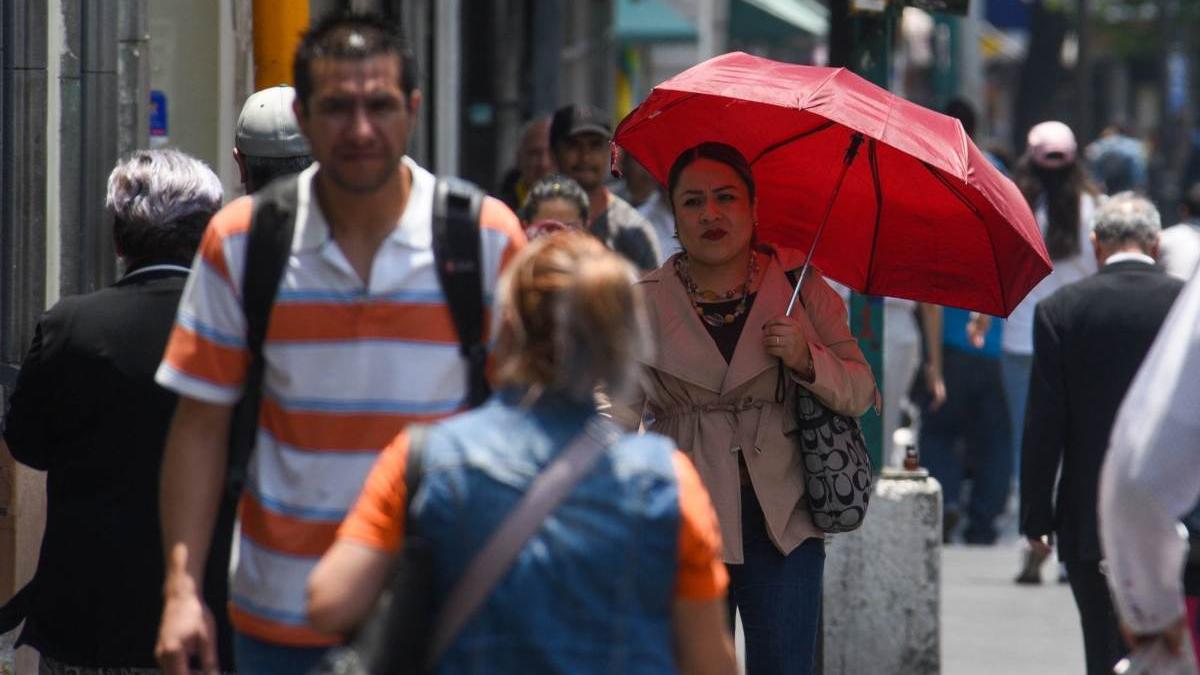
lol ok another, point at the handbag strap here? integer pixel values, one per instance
(493, 561)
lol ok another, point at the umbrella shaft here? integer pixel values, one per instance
(851, 152)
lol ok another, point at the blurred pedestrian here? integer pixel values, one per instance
(1064, 203)
(1179, 245)
(1118, 160)
(579, 139)
(965, 430)
(1089, 339)
(624, 576)
(359, 344)
(555, 203)
(533, 162)
(86, 410)
(1151, 479)
(718, 310)
(650, 200)
(268, 141)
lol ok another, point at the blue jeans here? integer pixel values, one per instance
(255, 657)
(779, 597)
(975, 415)
(1018, 369)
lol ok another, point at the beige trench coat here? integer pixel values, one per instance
(713, 410)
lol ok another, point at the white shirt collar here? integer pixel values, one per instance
(1128, 255)
(413, 229)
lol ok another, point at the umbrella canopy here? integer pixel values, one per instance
(921, 214)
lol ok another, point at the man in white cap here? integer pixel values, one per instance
(268, 143)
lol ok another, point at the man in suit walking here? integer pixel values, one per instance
(87, 411)
(1089, 339)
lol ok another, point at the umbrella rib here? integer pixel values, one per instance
(962, 198)
(873, 157)
(775, 146)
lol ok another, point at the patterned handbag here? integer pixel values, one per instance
(837, 469)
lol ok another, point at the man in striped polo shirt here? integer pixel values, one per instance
(360, 343)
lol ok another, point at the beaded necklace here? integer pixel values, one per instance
(716, 319)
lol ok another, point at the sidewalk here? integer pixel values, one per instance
(992, 626)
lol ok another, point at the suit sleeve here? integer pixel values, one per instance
(34, 404)
(1045, 422)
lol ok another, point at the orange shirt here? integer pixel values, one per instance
(377, 520)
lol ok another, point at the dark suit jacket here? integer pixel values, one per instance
(86, 410)
(1089, 338)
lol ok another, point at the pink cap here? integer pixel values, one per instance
(1052, 145)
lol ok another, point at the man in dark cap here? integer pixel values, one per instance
(579, 139)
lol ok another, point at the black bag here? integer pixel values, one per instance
(395, 636)
(837, 468)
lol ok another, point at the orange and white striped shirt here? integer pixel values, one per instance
(347, 367)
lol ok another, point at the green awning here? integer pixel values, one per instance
(651, 21)
(776, 19)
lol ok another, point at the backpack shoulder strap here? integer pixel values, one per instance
(268, 246)
(456, 252)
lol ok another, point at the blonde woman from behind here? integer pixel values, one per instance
(625, 574)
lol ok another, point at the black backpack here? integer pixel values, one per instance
(456, 250)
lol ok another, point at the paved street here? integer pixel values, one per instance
(992, 626)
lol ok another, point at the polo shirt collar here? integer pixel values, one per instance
(413, 230)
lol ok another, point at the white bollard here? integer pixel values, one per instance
(882, 583)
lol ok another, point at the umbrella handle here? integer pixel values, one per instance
(856, 140)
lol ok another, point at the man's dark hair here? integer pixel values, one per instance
(263, 170)
(352, 36)
(1191, 201)
(962, 110)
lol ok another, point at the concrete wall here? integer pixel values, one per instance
(187, 42)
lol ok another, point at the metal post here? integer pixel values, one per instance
(98, 126)
(864, 41)
(277, 28)
(447, 68)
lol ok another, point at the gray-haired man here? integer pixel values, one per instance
(87, 411)
(1089, 339)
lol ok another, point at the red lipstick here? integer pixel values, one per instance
(714, 234)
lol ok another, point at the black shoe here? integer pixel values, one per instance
(949, 524)
(1031, 569)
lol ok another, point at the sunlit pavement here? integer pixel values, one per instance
(992, 626)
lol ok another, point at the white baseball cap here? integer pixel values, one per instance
(267, 126)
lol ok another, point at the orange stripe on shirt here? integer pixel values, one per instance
(701, 574)
(377, 519)
(280, 634)
(496, 216)
(199, 357)
(234, 218)
(368, 320)
(282, 533)
(331, 432)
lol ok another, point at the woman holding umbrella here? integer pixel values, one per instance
(719, 309)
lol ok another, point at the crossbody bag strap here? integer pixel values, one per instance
(494, 560)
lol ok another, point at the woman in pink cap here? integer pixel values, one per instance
(1064, 201)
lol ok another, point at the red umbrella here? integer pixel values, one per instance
(914, 209)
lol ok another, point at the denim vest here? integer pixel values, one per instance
(592, 591)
